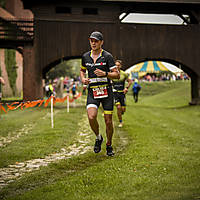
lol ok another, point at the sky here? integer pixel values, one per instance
(152, 18)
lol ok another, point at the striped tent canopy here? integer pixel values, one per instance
(150, 67)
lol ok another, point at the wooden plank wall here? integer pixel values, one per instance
(131, 43)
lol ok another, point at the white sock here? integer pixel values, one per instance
(98, 137)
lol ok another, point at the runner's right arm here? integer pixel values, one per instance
(83, 69)
(129, 84)
(82, 76)
(2, 81)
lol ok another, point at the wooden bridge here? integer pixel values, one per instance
(15, 33)
(62, 28)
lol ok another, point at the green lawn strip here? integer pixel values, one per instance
(160, 161)
(42, 139)
(170, 97)
(14, 120)
(153, 88)
(49, 175)
(94, 176)
(165, 134)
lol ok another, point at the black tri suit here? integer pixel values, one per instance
(118, 89)
(99, 89)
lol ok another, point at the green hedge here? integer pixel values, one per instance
(2, 3)
(10, 62)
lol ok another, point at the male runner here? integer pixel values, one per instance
(120, 90)
(101, 68)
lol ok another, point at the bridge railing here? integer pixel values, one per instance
(16, 30)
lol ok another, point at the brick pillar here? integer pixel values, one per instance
(195, 90)
(32, 76)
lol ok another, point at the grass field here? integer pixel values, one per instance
(157, 152)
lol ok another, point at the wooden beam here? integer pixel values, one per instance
(152, 1)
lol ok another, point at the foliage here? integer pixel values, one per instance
(10, 62)
(68, 68)
(0, 75)
(2, 3)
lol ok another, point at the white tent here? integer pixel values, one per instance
(169, 66)
(172, 68)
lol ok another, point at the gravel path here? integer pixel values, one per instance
(81, 146)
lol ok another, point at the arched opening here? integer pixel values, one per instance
(159, 66)
(61, 74)
(11, 69)
(57, 62)
(159, 75)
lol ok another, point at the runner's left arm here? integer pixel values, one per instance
(129, 84)
(112, 73)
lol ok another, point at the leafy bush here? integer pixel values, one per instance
(10, 62)
(2, 3)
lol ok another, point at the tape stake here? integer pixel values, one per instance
(67, 102)
(52, 124)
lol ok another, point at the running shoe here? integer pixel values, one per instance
(97, 145)
(109, 150)
(120, 125)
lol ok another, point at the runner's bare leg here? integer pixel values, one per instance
(92, 117)
(109, 128)
(119, 112)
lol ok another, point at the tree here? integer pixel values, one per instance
(68, 68)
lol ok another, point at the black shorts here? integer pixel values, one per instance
(107, 103)
(120, 98)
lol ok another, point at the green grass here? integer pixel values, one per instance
(157, 151)
(41, 139)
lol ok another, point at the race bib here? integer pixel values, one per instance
(100, 92)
